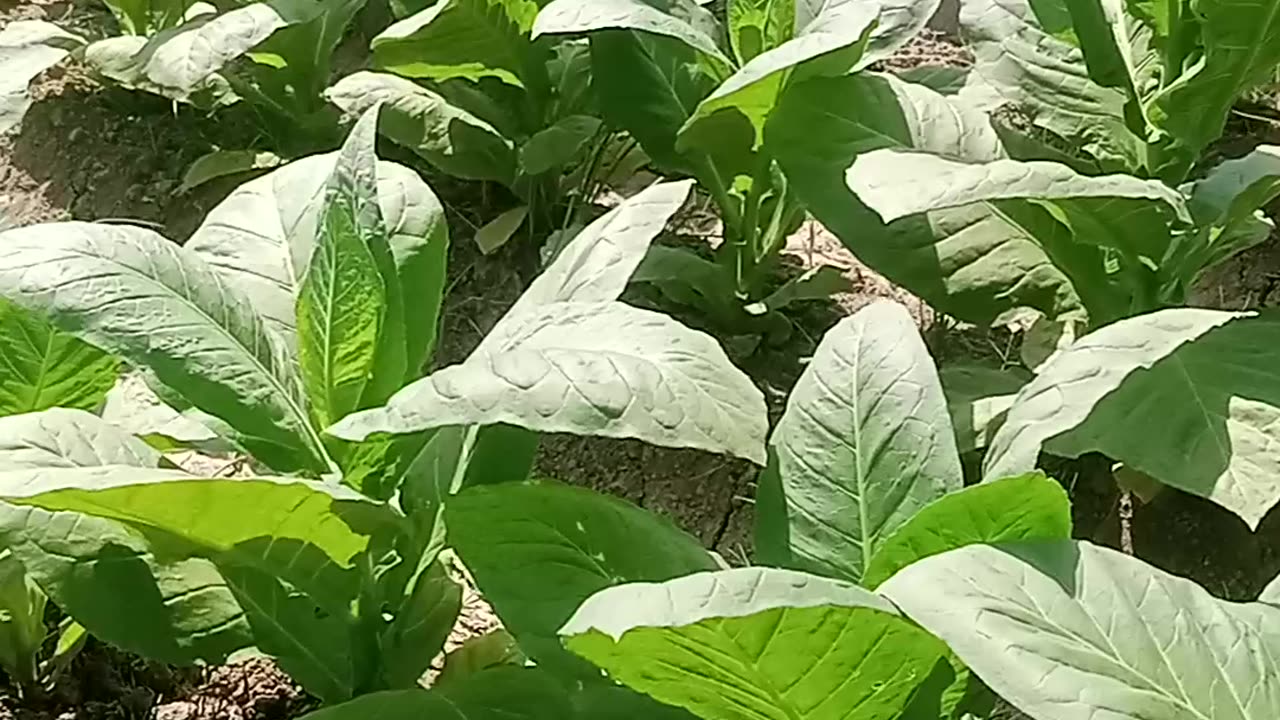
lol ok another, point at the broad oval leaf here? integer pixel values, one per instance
(260, 240)
(864, 444)
(447, 136)
(1071, 631)
(1204, 378)
(538, 550)
(138, 296)
(590, 368)
(1026, 507)
(44, 367)
(758, 643)
(28, 48)
(970, 262)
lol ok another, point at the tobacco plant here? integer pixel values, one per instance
(698, 95)
(891, 555)
(311, 296)
(469, 88)
(274, 55)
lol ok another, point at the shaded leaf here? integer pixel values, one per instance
(556, 146)
(495, 233)
(225, 163)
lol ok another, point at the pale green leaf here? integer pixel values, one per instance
(447, 136)
(63, 438)
(260, 240)
(757, 643)
(27, 49)
(22, 631)
(42, 367)
(756, 26)
(683, 20)
(468, 39)
(495, 233)
(180, 61)
(1071, 631)
(863, 445)
(970, 262)
(134, 407)
(343, 304)
(1025, 507)
(977, 399)
(538, 550)
(898, 184)
(1202, 377)
(225, 163)
(159, 306)
(831, 45)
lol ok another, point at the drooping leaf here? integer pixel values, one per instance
(477, 654)
(1225, 203)
(864, 444)
(830, 45)
(1020, 51)
(1201, 377)
(590, 368)
(683, 20)
(568, 358)
(138, 296)
(556, 146)
(1025, 507)
(538, 550)
(43, 367)
(757, 642)
(1039, 622)
(260, 240)
(495, 233)
(28, 48)
(468, 39)
(969, 262)
(133, 406)
(446, 135)
(342, 306)
(497, 694)
(180, 61)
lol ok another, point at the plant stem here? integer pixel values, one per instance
(584, 184)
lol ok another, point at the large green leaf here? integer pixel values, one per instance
(469, 39)
(180, 61)
(138, 296)
(864, 444)
(970, 262)
(1021, 50)
(44, 367)
(831, 45)
(1025, 507)
(1070, 631)
(446, 135)
(343, 304)
(757, 643)
(28, 48)
(260, 240)
(568, 358)
(1201, 378)
(497, 694)
(538, 550)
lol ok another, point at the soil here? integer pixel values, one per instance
(92, 153)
